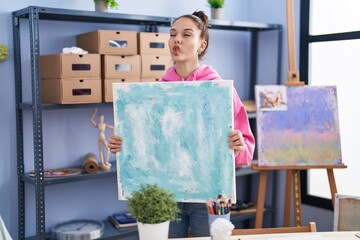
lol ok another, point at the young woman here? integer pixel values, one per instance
(188, 42)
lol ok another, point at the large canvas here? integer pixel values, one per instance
(175, 135)
(297, 126)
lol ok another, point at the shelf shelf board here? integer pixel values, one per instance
(242, 171)
(110, 232)
(76, 178)
(116, 233)
(30, 106)
(59, 14)
(242, 26)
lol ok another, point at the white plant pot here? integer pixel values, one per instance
(100, 6)
(216, 13)
(158, 231)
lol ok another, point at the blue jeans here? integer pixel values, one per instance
(194, 216)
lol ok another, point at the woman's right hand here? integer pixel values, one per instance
(114, 143)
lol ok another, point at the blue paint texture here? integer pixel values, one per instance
(175, 134)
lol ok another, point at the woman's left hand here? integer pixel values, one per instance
(114, 143)
(236, 141)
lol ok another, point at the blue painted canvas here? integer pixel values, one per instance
(175, 134)
(297, 126)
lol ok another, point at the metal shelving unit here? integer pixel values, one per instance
(34, 14)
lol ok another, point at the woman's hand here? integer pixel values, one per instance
(236, 141)
(114, 143)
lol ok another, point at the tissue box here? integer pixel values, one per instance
(107, 86)
(155, 65)
(70, 65)
(71, 90)
(115, 66)
(153, 43)
(109, 42)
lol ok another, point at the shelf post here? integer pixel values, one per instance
(37, 121)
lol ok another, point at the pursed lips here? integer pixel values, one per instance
(176, 49)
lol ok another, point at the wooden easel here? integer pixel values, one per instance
(293, 74)
(292, 186)
(293, 172)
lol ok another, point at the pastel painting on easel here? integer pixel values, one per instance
(175, 135)
(302, 128)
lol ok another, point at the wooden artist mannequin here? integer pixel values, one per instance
(101, 126)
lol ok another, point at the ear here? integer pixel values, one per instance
(203, 44)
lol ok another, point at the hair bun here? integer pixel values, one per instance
(202, 16)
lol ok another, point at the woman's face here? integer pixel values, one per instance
(184, 41)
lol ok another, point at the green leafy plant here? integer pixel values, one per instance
(4, 52)
(152, 204)
(216, 3)
(111, 3)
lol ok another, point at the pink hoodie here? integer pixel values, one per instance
(241, 122)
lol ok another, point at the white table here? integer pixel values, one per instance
(291, 236)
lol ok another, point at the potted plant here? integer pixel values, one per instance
(216, 6)
(4, 52)
(154, 208)
(102, 5)
(216, 3)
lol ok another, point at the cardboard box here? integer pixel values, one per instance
(107, 86)
(149, 79)
(109, 42)
(155, 65)
(116, 66)
(70, 65)
(153, 43)
(71, 90)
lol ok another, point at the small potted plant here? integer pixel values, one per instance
(102, 5)
(154, 208)
(216, 6)
(4, 52)
(216, 3)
